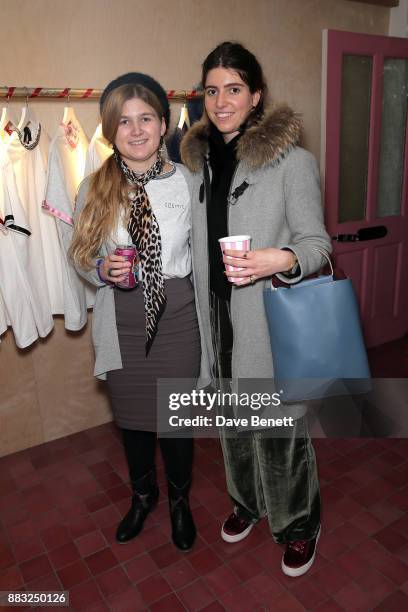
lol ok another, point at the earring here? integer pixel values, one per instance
(162, 148)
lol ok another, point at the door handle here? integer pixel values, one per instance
(366, 233)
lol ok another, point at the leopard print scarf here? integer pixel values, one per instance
(145, 233)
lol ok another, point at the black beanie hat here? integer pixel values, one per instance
(138, 78)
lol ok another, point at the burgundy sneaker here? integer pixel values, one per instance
(299, 556)
(235, 529)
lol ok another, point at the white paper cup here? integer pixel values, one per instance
(238, 243)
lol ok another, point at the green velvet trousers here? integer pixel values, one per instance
(267, 476)
(275, 477)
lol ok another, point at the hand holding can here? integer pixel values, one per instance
(129, 252)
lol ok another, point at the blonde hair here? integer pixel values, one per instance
(108, 189)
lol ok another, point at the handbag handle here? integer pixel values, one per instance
(325, 255)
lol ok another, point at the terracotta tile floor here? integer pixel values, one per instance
(60, 503)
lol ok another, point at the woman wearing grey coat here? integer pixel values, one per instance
(250, 177)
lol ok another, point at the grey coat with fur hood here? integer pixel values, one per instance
(280, 207)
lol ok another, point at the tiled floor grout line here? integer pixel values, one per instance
(391, 467)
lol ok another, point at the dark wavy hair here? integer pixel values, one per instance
(236, 57)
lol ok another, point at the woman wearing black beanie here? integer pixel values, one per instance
(139, 198)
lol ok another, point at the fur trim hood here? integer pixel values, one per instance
(264, 143)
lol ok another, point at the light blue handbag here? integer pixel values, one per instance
(316, 339)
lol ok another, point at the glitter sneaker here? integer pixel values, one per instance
(235, 529)
(299, 556)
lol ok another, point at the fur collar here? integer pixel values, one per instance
(264, 143)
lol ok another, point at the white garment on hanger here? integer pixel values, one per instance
(6, 116)
(43, 247)
(4, 323)
(4, 319)
(98, 152)
(66, 165)
(14, 282)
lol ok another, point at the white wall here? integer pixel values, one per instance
(399, 20)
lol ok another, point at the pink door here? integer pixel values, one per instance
(366, 173)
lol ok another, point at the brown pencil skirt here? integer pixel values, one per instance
(175, 352)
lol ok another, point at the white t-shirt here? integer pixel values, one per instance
(43, 245)
(98, 152)
(20, 304)
(66, 165)
(4, 319)
(170, 201)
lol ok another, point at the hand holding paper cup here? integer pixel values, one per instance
(238, 243)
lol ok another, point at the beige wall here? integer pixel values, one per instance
(48, 391)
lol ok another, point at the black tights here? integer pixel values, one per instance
(177, 453)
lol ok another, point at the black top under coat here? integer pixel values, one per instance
(223, 162)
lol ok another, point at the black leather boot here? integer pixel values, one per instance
(145, 496)
(182, 524)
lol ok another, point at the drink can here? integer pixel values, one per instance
(130, 253)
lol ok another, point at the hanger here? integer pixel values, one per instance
(7, 115)
(184, 118)
(69, 112)
(3, 116)
(27, 114)
(29, 128)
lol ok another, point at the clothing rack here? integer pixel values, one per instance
(11, 93)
